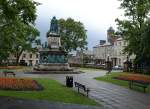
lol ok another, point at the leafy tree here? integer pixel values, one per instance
(73, 34)
(17, 19)
(25, 42)
(134, 28)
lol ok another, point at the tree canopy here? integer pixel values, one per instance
(73, 34)
(135, 28)
(17, 26)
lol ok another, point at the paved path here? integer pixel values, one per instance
(11, 103)
(111, 96)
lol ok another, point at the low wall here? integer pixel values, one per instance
(87, 66)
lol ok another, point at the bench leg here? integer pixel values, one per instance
(87, 93)
(130, 85)
(5, 74)
(144, 89)
(78, 89)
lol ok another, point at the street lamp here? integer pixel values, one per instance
(108, 65)
(127, 65)
(108, 57)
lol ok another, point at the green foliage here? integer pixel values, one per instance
(134, 28)
(17, 19)
(109, 78)
(73, 34)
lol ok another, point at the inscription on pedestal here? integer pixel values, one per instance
(54, 42)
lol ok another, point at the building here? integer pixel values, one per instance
(82, 57)
(112, 50)
(119, 57)
(102, 52)
(29, 58)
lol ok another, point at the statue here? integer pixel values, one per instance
(54, 25)
(52, 55)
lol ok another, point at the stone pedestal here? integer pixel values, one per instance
(53, 67)
(53, 41)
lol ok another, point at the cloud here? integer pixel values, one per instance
(97, 15)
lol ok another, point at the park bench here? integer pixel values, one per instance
(83, 87)
(9, 72)
(138, 83)
(142, 84)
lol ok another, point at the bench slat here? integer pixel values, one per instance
(81, 86)
(9, 72)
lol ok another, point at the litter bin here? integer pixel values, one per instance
(69, 81)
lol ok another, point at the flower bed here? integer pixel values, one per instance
(18, 84)
(135, 77)
(10, 67)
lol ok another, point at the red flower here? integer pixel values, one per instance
(18, 84)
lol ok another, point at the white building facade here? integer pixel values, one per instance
(113, 52)
(101, 52)
(29, 58)
(119, 56)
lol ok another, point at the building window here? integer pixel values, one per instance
(37, 56)
(30, 62)
(124, 43)
(30, 55)
(120, 53)
(37, 61)
(120, 43)
(24, 55)
(119, 61)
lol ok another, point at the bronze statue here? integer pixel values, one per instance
(54, 25)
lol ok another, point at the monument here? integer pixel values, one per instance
(52, 56)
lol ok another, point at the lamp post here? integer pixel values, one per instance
(127, 65)
(108, 65)
(108, 57)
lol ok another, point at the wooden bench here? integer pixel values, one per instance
(81, 86)
(9, 72)
(142, 84)
(132, 83)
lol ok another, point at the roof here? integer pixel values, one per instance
(104, 45)
(119, 39)
(89, 52)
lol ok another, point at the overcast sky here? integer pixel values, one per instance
(96, 15)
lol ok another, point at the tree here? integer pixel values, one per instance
(73, 34)
(17, 26)
(25, 42)
(133, 28)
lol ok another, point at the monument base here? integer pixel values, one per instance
(54, 72)
(53, 67)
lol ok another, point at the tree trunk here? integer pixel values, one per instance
(18, 57)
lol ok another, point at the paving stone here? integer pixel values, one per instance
(13, 103)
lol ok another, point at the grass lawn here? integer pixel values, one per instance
(20, 69)
(89, 69)
(53, 91)
(109, 78)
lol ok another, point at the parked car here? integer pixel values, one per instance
(118, 67)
